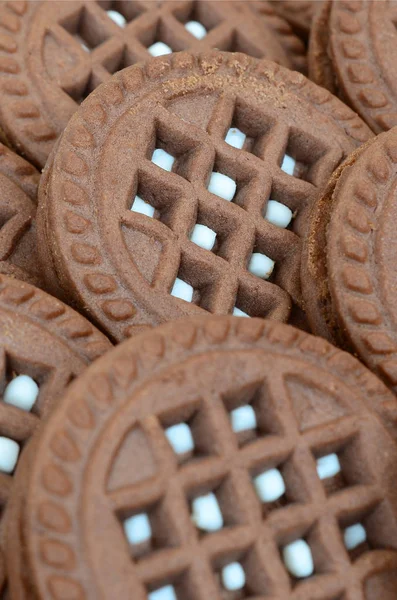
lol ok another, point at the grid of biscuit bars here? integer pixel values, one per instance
(237, 511)
(110, 36)
(260, 254)
(235, 194)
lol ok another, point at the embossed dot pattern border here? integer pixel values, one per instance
(352, 267)
(356, 62)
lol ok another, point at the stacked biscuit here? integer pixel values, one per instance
(210, 187)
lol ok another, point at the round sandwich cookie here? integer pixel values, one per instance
(19, 182)
(44, 345)
(53, 54)
(353, 53)
(216, 458)
(184, 185)
(298, 13)
(348, 270)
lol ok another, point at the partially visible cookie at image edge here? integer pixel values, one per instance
(348, 266)
(53, 54)
(217, 458)
(353, 53)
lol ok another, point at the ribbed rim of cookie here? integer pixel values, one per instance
(26, 124)
(21, 172)
(116, 376)
(25, 301)
(356, 64)
(356, 294)
(116, 312)
(314, 269)
(319, 62)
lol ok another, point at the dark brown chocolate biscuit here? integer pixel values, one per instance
(19, 182)
(298, 13)
(216, 458)
(353, 52)
(348, 269)
(53, 54)
(240, 149)
(44, 345)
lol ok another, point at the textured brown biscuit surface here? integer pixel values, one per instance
(120, 265)
(19, 183)
(348, 273)
(298, 13)
(53, 54)
(105, 456)
(353, 52)
(44, 339)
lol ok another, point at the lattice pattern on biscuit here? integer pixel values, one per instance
(109, 36)
(312, 533)
(225, 212)
(19, 412)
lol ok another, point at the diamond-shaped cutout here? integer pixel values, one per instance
(248, 129)
(196, 29)
(86, 28)
(211, 508)
(166, 592)
(222, 185)
(302, 156)
(355, 538)
(278, 483)
(157, 38)
(195, 281)
(189, 434)
(261, 265)
(269, 486)
(117, 17)
(206, 513)
(156, 198)
(22, 391)
(238, 312)
(298, 559)
(184, 291)
(335, 465)
(255, 300)
(249, 414)
(233, 579)
(143, 208)
(163, 159)
(146, 530)
(173, 149)
(240, 574)
(20, 382)
(361, 533)
(232, 180)
(278, 214)
(236, 138)
(118, 59)
(198, 17)
(203, 236)
(9, 453)
(122, 12)
(79, 91)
